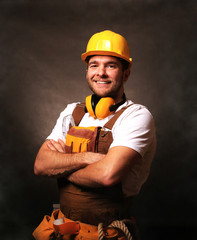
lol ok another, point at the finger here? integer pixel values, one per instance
(57, 146)
(62, 144)
(51, 146)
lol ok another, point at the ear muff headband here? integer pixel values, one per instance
(101, 107)
(94, 101)
(113, 108)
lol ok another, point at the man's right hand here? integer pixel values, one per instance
(58, 146)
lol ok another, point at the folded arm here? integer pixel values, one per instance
(87, 168)
(53, 161)
(109, 170)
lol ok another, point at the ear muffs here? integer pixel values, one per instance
(90, 106)
(101, 107)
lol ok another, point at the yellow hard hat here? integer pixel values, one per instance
(107, 43)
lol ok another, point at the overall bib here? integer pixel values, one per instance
(91, 205)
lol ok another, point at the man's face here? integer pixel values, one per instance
(106, 77)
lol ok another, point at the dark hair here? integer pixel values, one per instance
(125, 64)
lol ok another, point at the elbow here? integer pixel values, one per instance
(109, 180)
(40, 161)
(38, 170)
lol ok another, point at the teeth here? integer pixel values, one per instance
(101, 82)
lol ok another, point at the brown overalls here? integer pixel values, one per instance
(87, 205)
(90, 205)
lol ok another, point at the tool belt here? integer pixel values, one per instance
(58, 227)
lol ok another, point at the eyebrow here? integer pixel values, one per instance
(93, 62)
(110, 62)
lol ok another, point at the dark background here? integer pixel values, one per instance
(41, 72)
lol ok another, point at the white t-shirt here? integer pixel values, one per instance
(134, 129)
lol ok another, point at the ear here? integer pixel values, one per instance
(86, 73)
(126, 74)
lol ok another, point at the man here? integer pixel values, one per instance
(102, 162)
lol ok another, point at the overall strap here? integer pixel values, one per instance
(78, 113)
(112, 121)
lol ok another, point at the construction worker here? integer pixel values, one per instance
(100, 151)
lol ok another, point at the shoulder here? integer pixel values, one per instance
(69, 109)
(136, 115)
(134, 109)
(62, 124)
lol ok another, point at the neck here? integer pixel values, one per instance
(118, 104)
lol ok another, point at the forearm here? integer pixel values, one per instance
(56, 164)
(90, 176)
(108, 171)
(99, 174)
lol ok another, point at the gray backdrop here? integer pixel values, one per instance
(41, 72)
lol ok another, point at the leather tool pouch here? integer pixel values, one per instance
(82, 139)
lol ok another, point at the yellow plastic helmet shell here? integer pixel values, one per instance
(107, 43)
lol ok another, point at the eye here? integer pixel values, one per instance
(111, 66)
(93, 65)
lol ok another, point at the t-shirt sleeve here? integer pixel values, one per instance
(135, 129)
(62, 124)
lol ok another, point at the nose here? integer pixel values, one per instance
(101, 71)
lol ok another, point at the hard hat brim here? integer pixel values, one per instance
(104, 53)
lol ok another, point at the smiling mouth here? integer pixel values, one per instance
(102, 82)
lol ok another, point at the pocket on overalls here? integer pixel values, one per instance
(81, 139)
